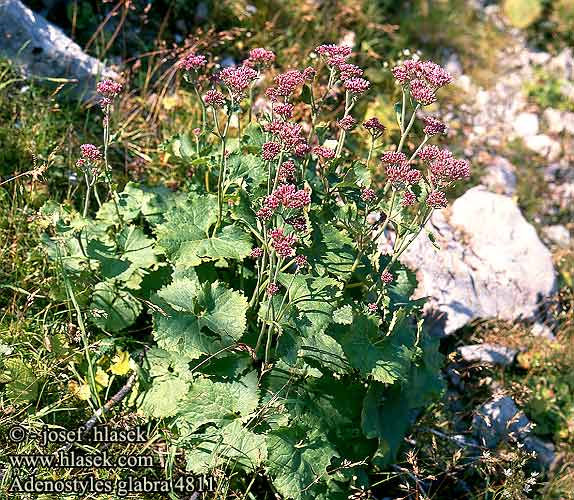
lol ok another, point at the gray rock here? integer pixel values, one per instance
(49, 53)
(499, 419)
(491, 263)
(526, 124)
(563, 63)
(545, 452)
(553, 119)
(500, 176)
(568, 122)
(541, 330)
(492, 354)
(558, 235)
(544, 146)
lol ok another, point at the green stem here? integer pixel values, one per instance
(407, 130)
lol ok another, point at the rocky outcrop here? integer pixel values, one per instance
(42, 50)
(491, 263)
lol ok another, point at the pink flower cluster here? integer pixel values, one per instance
(270, 150)
(433, 126)
(437, 199)
(91, 153)
(387, 277)
(284, 110)
(109, 88)
(435, 75)
(214, 98)
(282, 243)
(272, 289)
(357, 85)
(238, 79)
(347, 122)
(373, 307)
(309, 73)
(260, 57)
(290, 134)
(374, 126)
(288, 196)
(299, 223)
(287, 172)
(409, 199)
(287, 82)
(399, 171)
(192, 62)
(256, 253)
(444, 167)
(335, 54)
(368, 194)
(348, 71)
(324, 152)
(423, 78)
(301, 261)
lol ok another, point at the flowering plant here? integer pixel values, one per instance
(286, 341)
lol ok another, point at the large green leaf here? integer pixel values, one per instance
(112, 308)
(297, 461)
(198, 319)
(218, 403)
(386, 359)
(333, 250)
(233, 446)
(185, 235)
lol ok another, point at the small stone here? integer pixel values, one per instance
(492, 354)
(498, 419)
(500, 176)
(558, 235)
(568, 122)
(563, 63)
(526, 124)
(554, 120)
(544, 146)
(541, 330)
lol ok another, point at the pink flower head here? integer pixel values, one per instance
(409, 199)
(81, 163)
(347, 122)
(324, 152)
(357, 85)
(401, 174)
(272, 289)
(331, 50)
(238, 79)
(349, 71)
(445, 168)
(192, 62)
(273, 127)
(256, 253)
(291, 135)
(437, 199)
(429, 152)
(91, 153)
(387, 277)
(368, 194)
(284, 110)
(214, 98)
(197, 131)
(374, 126)
(434, 74)
(264, 213)
(373, 308)
(309, 73)
(422, 92)
(287, 171)
(301, 149)
(109, 88)
(301, 261)
(287, 82)
(260, 56)
(393, 157)
(270, 150)
(433, 126)
(299, 223)
(271, 94)
(282, 243)
(272, 202)
(291, 197)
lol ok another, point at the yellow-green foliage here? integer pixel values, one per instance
(522, 13)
